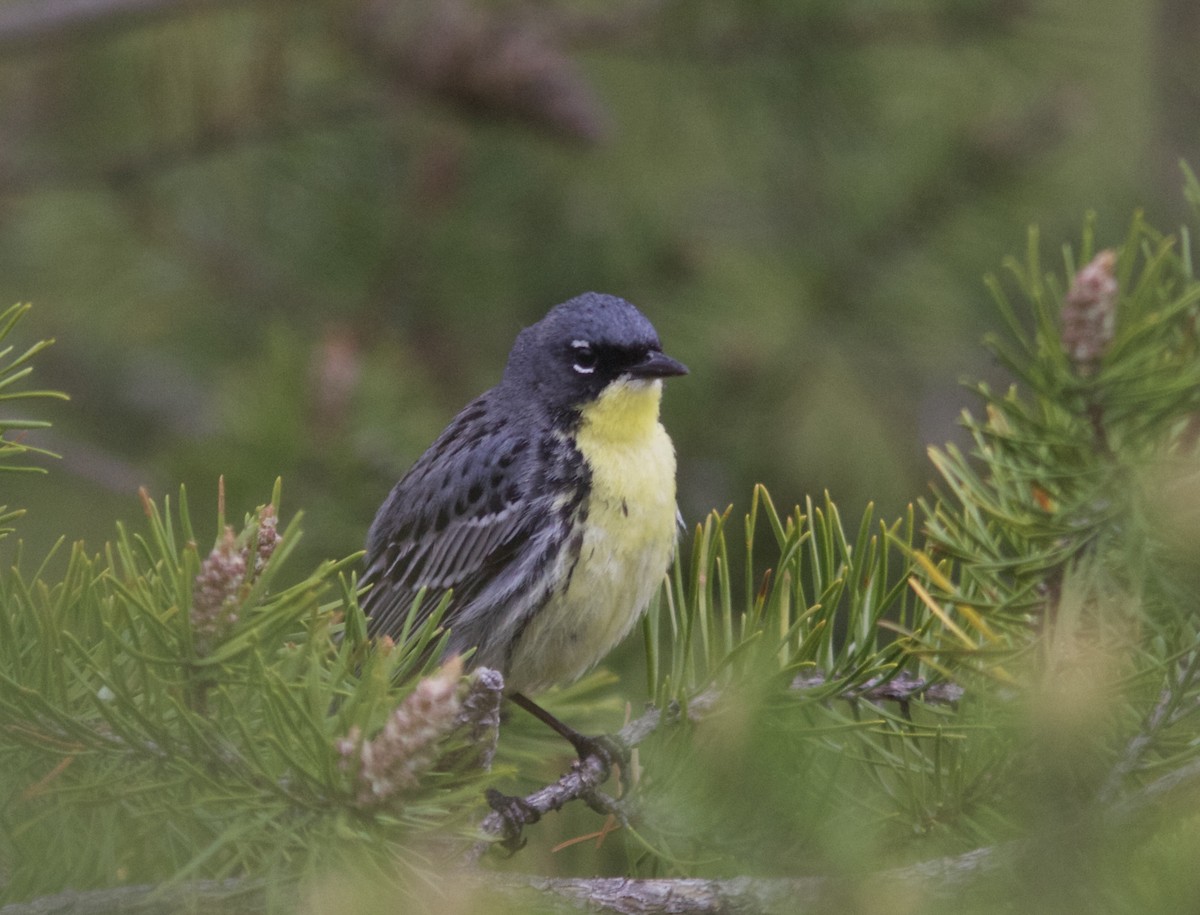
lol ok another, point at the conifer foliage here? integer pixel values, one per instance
(989, 702)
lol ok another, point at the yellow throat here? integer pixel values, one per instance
(628, 538)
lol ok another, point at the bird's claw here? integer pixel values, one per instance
(609, 751)
(516, 813)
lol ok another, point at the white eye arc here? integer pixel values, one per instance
(585, 357)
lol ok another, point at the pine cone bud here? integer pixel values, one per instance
(217, 592)
(1089, 313)
(267, 539)
(480, 716)
(392, 762)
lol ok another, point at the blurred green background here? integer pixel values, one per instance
(294, 238)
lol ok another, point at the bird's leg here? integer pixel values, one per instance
(608, 749)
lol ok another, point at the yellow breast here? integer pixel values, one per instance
(628, 540)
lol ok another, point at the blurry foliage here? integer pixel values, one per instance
(293, 238)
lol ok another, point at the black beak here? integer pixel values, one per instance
(658, 364)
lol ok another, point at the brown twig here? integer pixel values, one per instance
(510, 815)
(903, 688)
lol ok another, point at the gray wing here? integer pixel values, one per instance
(455, 520)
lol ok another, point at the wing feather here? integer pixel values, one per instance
(454, 520)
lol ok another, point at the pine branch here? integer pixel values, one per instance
(510, 815)
(221, 698)
(1176, 700)
(903, 688)
(938, 878)
(941, 878)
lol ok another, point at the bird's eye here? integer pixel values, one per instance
(585, 357)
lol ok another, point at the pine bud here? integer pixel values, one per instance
(268, 537)
(392, 762)
(217, 592)
(480, 717)
(1089, 314)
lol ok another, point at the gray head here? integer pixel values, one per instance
(581, 347)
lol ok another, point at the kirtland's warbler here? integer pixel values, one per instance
(547, 505)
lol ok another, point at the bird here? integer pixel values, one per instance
(547, 507)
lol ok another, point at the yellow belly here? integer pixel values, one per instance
(629, 539)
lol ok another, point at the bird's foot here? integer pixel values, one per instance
(516, 813)
(609, 751)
